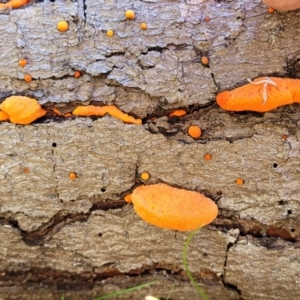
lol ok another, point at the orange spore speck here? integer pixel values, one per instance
(204, 60)
(77, 74)
(26, 170)
(109, 33)
(207, 156)
(178, 113)
(22, 62)
(129, 14)
(284, 136)
(91, 110)
(145, 176)
(239, 181)
(173, 208)
(207, 19)
(62, 26)
(194, 131)
(27, 78)
(72, 176)
(271, 10)
(22, 110)
(143, 25)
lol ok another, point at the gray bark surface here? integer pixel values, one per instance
(77, 237)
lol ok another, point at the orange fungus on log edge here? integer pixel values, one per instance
(173, 208)
(22, 110)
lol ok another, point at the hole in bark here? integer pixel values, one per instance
(289, 211)
(54, 145)
(292, 229)
(204, 254)
(100, 234)
(103, 190)
(275, 165)
(282, 202)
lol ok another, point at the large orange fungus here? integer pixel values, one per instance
(3, 116)
(91, 110)
(22, 110)
(262, 94)
(172, 208)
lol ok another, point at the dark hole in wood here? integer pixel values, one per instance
(100, 234)
(275, 165)
(54, 145)
(103, 190)
(292, 229)
(289, 211)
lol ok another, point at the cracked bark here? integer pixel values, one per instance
(78, 237)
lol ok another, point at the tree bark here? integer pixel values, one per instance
(77, 237)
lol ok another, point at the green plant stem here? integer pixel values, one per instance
(185, 263)
(169, 295)
(125, 291)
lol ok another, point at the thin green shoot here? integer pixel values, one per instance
(169, 295)
(63, 297)
(121, 292)
(185, 263)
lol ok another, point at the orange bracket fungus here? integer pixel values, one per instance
(62, 26)
(77, 74)
(91, 110)
(22, 110)
(205, 60)
(194, 131)
(239, 181)
(172, 208)
(178, 113)
(27, 78)
(261, 95)
(14, 4)
(72, 176)
(207, 156)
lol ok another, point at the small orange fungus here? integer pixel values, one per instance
(263, 94)
(77, 74)
(129, 14)
(72, 176)
(239, 181)
(22, 62)
(207, 156)
(145, 176)
(207, 19)
(143, 25)
(27, 78)
(173, 208)
(13, 4)
(109, 33)
(3, 116)
(284, 136)
(67, 115)
(271, 10)
(194, 131)
(204, 60)
(91, 110)
(127, 198)
(178, 113)
(62, 26)
(22, 110)
(26, 170)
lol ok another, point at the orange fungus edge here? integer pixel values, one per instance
(194, 131)
(113, 111)
(127, 198)
(178, 113)
(3, 116)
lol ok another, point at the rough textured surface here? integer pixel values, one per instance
(77, 236)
